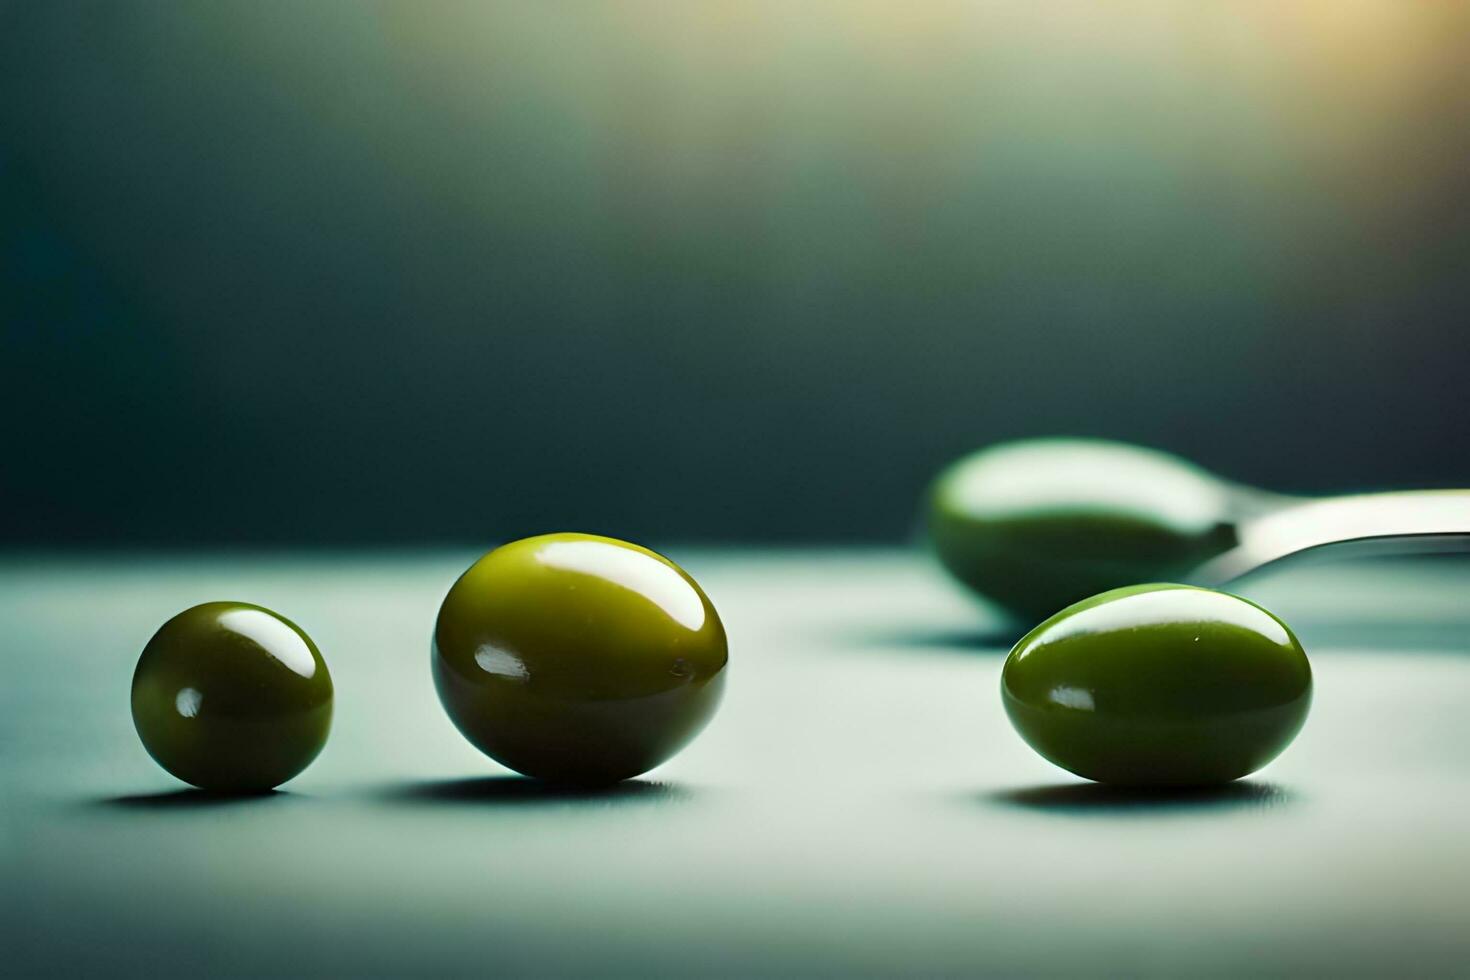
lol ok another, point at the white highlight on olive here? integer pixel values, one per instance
(634, 571)
(272, 636)
(501, 663)
(187, 702)
(1072, 697)
(1165, 606)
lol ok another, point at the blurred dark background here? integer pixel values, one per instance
(336, 272)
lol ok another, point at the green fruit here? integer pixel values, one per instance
(579, 659)
(1159, 685)
(1036, 525)
(232, 697)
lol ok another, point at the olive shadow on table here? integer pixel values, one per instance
(191, 799)
(520, 791)
(1099, 800)
(981, 640)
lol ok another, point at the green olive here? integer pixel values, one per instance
(1039, 524)
(1159, 685)
(576, 658)
(232, 697)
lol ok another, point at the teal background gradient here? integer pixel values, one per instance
(336, 272)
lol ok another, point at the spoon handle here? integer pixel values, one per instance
(1402, 522)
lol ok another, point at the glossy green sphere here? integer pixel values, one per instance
(232, 697)
(576, 658)
(1037, 525)
(1159, 685)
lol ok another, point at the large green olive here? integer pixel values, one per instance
(232, 697)
(1159, 685)
(1038, 524)
(577, 658)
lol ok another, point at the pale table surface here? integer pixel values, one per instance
(859, 806)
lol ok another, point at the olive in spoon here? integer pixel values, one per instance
(1036, 525)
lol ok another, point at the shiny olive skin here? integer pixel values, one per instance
(579, 659)
(1039, 524)
(1159, 685)
(232, 697)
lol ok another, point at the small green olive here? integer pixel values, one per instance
(232, 697)
(1039, 524)
(576, 658)
(1159, 685)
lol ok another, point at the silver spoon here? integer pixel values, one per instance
(1036, 525)
(1400, 522)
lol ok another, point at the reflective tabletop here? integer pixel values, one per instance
(858, 806)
